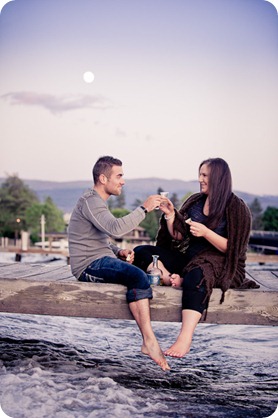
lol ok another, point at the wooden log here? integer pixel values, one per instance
(48, 290)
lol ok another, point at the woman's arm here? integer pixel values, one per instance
(168, 209)
(170, 225)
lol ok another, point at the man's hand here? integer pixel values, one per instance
(126, 255)
(152, 202)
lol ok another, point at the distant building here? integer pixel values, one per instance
(138, 236)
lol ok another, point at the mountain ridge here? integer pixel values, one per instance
(66, 193)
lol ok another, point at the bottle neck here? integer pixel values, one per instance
(155, 261)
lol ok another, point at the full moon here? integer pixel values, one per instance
(88, 77)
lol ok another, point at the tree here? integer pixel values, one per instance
(54, 221)
(137, 202)
(116, 201)
(33, 219)
(119, 201)
(151, 223)
(118, 212)
(185, 197)
(20, 209)
(175, 200)
(15, 198)
(270, 219)
(256, 212)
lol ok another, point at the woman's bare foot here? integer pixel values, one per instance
(166, 280)
(179, 349)
(182, 345)
(176, 280)
(154, 352)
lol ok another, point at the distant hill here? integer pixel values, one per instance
(66, 194)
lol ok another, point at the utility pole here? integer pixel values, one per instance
(43, 230)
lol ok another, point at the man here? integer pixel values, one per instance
(92, 255)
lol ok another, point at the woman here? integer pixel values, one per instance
(204, 244)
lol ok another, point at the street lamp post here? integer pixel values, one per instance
(16, 231)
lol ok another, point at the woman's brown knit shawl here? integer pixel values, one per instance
(221, 270)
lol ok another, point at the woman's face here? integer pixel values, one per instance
(204, 178)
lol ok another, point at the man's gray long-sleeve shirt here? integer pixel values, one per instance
(90, 228)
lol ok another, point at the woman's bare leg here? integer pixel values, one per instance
(182, 345)
(140, 310)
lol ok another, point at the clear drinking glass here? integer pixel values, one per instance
(164, 194)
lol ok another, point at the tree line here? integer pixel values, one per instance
(20, 209)
(261, 220)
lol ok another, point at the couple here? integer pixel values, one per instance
(201, 246)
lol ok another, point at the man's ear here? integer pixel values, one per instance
(102, 179)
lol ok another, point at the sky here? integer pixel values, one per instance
(175, 82)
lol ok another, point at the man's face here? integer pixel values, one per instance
(115, 181)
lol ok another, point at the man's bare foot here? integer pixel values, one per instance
(176, 280)
(154, 352)
(178, 349)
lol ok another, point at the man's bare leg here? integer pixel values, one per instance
(141, 313)
(182, 345)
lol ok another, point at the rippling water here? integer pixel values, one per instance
(78, 368)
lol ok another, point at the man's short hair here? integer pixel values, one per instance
(104, 166)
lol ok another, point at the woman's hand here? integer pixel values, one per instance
(166, 206)
(197, 229)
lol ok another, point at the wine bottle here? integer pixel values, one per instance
(154, 273)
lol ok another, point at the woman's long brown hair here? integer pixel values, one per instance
(220, 189)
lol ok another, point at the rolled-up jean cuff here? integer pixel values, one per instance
(132, 295)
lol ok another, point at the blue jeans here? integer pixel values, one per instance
(113, 270)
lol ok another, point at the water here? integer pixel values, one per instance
(76, 368)
(59, 367)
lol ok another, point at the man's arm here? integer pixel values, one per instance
(96, 211)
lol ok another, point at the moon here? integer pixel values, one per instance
(88, 77)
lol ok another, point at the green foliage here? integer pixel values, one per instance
(151, 223)
(185, 197)
(159, 190)
(270, 219)
(54, 221)
(136, 203)
(33, 218)
(175, 200)
(120, 200)
(20, 209)
(115, 202)
(15, 198)
(118, 212)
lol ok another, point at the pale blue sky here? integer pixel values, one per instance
(176, 82)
